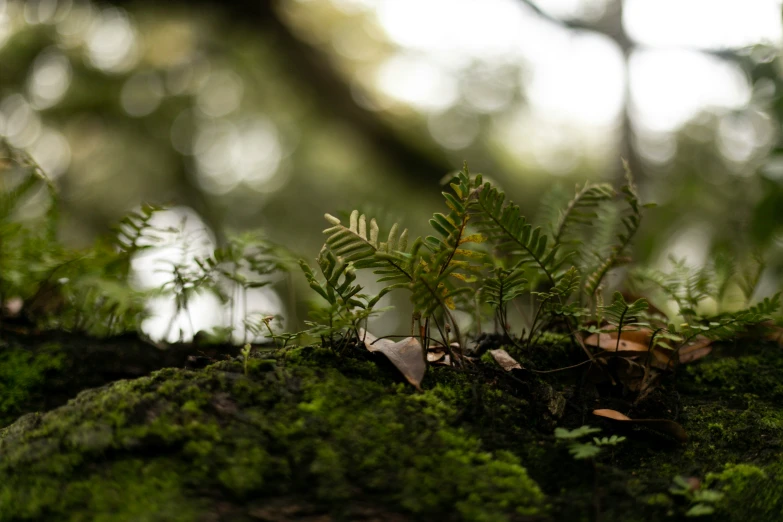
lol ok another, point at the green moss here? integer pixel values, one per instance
(757, 374)
(124, 490)
(22, 373)
(305, 432)
(749, 492)
(741, 430)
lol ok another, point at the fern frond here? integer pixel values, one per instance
(724, 269)
(339, 276)
(19, 186)
(751, 275)
(565, 287)
(581, 210)
(506, 228)
(358, 245)
(452, 229)
(685, 285)
(729, 325)
(505, 286)
(630, 225)
(622, 314)
(136, 232)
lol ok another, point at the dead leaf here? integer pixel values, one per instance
(633, 343)
(622, 353)
(629, 372)
(695, 351)
(405, 355)
(505, 361)
(612, 414)
(446, 361)
(662, 359)
(435, 356)
(664, 426)
(630, 340)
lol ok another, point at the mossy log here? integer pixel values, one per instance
(307, 435)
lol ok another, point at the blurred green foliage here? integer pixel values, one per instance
(269, 115)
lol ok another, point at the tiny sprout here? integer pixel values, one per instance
(246, 355)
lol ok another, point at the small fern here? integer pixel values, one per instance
(630, 225)
(506, 228)
(582, 209)
(432, 266)
(502, 288)
(729, 325)
(685, 285)
(621, 314)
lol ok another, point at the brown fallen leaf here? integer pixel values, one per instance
(635, 342)
(505, 361)
(630, 340)
(696, 350)
(662, 359)
(446, 361)
(435, 356)
(630, 373)
(664, 426)
(405, 355)
(631, 354)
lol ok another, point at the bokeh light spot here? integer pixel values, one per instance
(141, 94)
(49, 79)
(111, 41)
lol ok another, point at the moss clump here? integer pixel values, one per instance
(758, 373)
(149, 449)
(749, 492)
(22, 373)
(745, 429)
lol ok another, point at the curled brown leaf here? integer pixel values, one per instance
(405, 355)
(505, 361)
(665, 426)
(696, 350)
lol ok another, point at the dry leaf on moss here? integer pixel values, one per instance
(695, 351)
(405, 355)
(505, 361)
(637, 342)
(664, 426)
(435, 355)
(630, 340)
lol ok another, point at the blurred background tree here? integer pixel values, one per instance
(253, 114)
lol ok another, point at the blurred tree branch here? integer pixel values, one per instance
(418, 162)
(611, 26)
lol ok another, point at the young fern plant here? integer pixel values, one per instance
(691, 287)
(582, 210)
(604, 263)
(729, 325)
(546, 263)
(435, 270)
(246, 262)
(348, 308)
(500, 289)
(484, 247)
(621, 314)
(554, 303)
